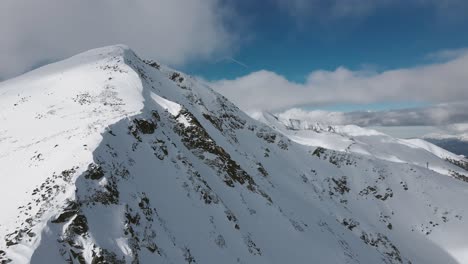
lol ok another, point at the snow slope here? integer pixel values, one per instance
(457, 145)
(106, 158)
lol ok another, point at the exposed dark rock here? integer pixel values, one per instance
(94, 172)
(68, 212)
(145, 126)
(79, 225)
(341, 185)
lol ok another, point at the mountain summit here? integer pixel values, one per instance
(107, 158)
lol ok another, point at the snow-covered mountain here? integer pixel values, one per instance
(454, 143)
(368, 142)
(106, 158)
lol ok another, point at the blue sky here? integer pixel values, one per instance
(392, 36)
(375, 36)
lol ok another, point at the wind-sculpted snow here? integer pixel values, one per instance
(110, 159)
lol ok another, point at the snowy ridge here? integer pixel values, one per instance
(354, 139)
(106, 158)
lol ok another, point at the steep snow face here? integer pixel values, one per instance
(106, 158)
(51, 121)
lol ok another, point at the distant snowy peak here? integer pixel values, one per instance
(295, 124)
(355, 139)
(292, 123)
(457, 144)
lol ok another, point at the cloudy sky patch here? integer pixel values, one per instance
(173, 31)
(272, 55)
(435, 83)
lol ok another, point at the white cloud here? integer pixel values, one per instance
(265, 90)
(436, 115)
(433, 121)
(447, 54)
(173, 31)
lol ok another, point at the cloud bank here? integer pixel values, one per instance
(439, 82)
(173, 31)
(437, 115)
(438, 121)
